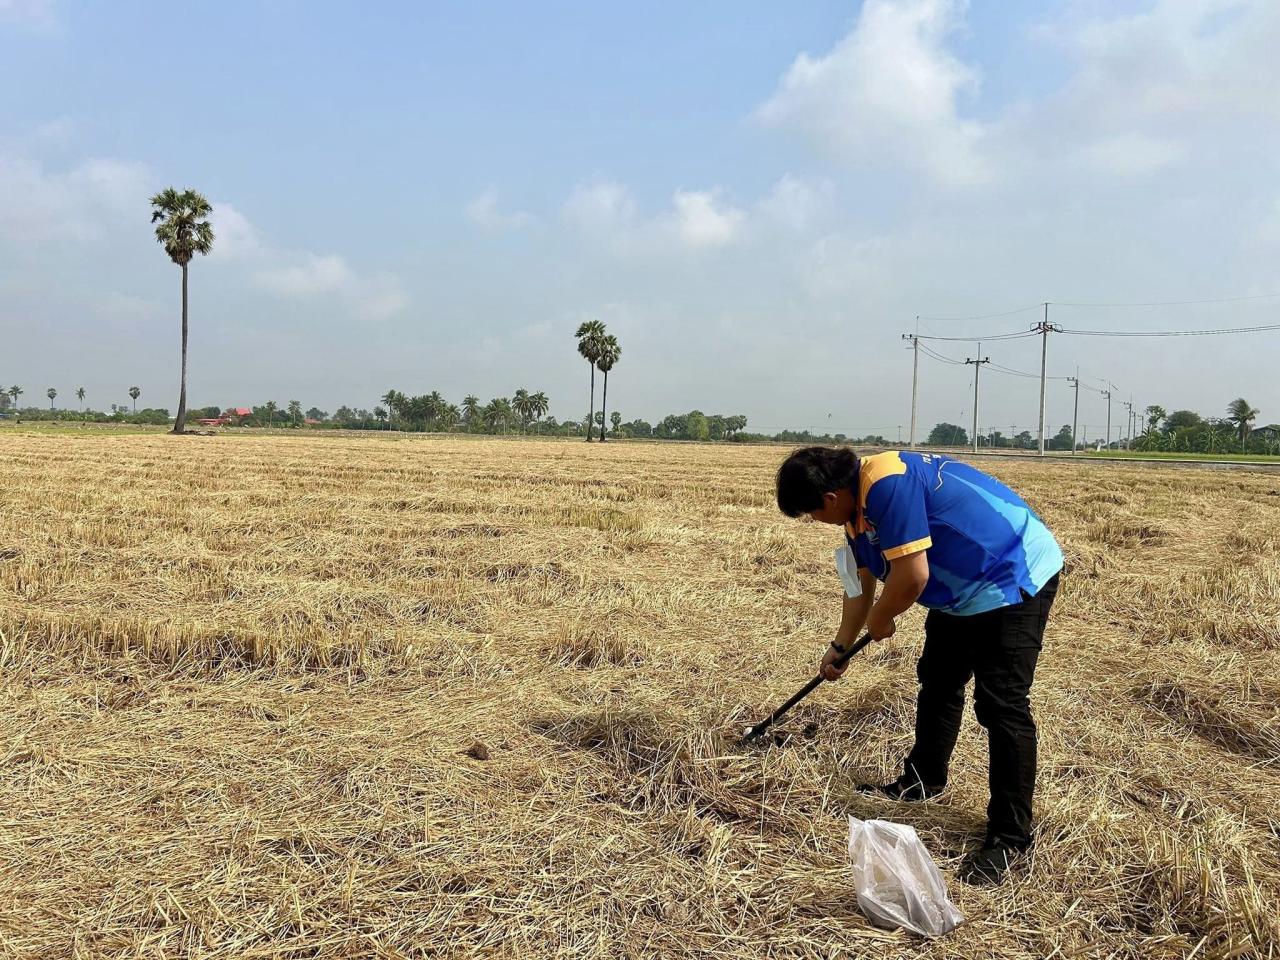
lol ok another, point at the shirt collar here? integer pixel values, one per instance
(859, 522)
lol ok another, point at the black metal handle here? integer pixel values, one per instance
(756, 731)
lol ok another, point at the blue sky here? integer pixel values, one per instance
(758, 198)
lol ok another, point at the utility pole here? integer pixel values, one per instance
(915, 370)
(1044, 327)
(1128, 424)
(1107, 394)
(1075, 416)
(977, 368)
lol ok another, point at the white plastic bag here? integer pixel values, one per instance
(897, 882)
(847, 567)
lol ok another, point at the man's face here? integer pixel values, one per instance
(836, 509)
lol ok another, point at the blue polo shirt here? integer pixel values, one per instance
(986, 546)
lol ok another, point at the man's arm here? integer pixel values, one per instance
(908, 576)
(853, 614)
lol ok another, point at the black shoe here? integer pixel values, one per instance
(911, 791)
(987, 867)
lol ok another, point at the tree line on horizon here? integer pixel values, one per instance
(1182, 431)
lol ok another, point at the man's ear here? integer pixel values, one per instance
(829, 500)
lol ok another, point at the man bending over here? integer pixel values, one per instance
(942, 534)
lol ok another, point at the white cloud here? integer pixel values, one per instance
(1156, 90)
(1132, 155)
(380, 298)
(37, 13)
(796, 203)
(484, 212)
(82, 204)
(888, 94)
(235, 238)
(697, 219)
(311, 276)
(600, 207)
(703, 220)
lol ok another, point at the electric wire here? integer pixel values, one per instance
(1169, 333)
(1171, 303)
(985, 316)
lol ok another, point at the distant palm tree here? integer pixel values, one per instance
(270, 407)
(471, 411)
(15, 391)
(522, 403)
(498, 414)
(435, 405)
(51, 393)
(394, 400)
(80, 397)
(295, 411)
(540, 405)
(591, 336)
(1242, 415)
(379, 414)
(135, 392)
(184, 230)
(610, 354)
(616, 419)
(449, 416)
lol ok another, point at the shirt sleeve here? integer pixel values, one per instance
(895, 505)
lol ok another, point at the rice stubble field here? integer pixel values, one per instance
(403, 697)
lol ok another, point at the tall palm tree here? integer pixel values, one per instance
(135, 392)
(523, 406)
(80, 397)
(435, 405)
(379, 414)
(610, 354)
(497, 415)
(271, 408)
(295, 411)
(1242, 415)
(394, 399)
(471, 411)
(540, 405)
(591, 336)
(449, 416)
(15, 391)
(51, 393)
(182, 226)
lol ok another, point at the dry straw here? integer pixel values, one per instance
(333, 697)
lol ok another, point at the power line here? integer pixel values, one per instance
(1001, 368)
(930, 352)
(1172, 303)
(985, 316)
(1170, 333)
(995, 367)
(994, 336)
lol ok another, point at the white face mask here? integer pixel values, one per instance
(847, 567)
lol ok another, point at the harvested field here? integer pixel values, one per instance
(331, 697)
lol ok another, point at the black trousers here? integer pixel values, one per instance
(999, 650)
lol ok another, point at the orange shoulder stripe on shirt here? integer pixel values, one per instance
(873, 468)
(877, 467)
(915, 546)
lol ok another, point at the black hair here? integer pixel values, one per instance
(812, 471)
